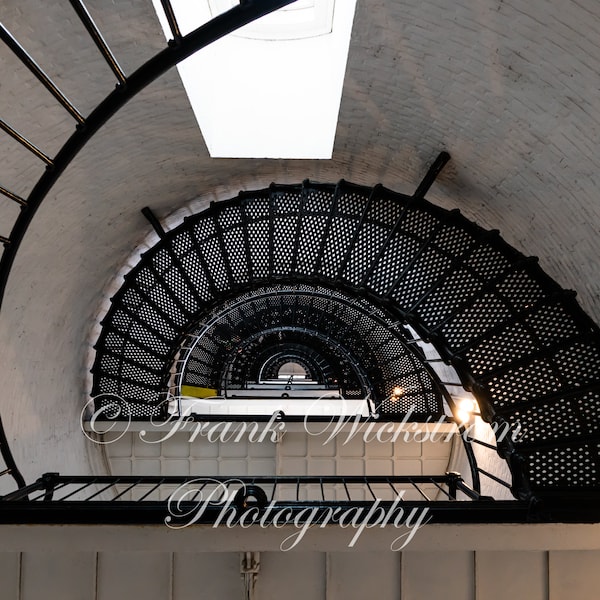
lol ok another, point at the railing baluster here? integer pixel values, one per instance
(95, 34)
(170, 14)
(327, 230)
(25, 142)
(199, 490)
(79, 489)
(393, 488)
(434, 170)
(12, 196)
(373, 196)
(439, 487)
(465, 489)
(156, 486)
(481, 443)
(370, 489)
(347, 490)
(111, 484)
(26, 59)
(494, 478)
(130, 487)
(420, 490)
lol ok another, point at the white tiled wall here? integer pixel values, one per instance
(291, 452)
(134, 454)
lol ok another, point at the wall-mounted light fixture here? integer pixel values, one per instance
(397, 393)
(466, 409)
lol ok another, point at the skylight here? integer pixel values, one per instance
(272, 89)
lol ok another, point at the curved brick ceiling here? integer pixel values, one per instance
(508, 88)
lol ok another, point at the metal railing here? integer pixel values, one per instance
(128, 86)
(10, 468)
(204, 500)
(343, 488)
(584, 337)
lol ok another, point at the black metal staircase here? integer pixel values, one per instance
(516, 340)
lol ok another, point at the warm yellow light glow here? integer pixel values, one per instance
(398, 391)
(465, 409)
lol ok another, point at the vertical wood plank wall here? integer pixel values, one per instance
(351, 575)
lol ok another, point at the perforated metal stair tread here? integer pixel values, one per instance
(506, 327)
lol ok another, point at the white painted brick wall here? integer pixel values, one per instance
(509, 88)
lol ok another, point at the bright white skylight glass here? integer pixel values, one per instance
(302, 19)
(273, 89)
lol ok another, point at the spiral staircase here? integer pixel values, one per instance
(407, 273)
(375, 294)
(517, 341)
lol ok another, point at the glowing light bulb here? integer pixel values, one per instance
(465, 408)
(396, 393)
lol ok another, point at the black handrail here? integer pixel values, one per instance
(164, 60)
(51, 483)
(202, 500)
(9, 461)
(159, 64)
